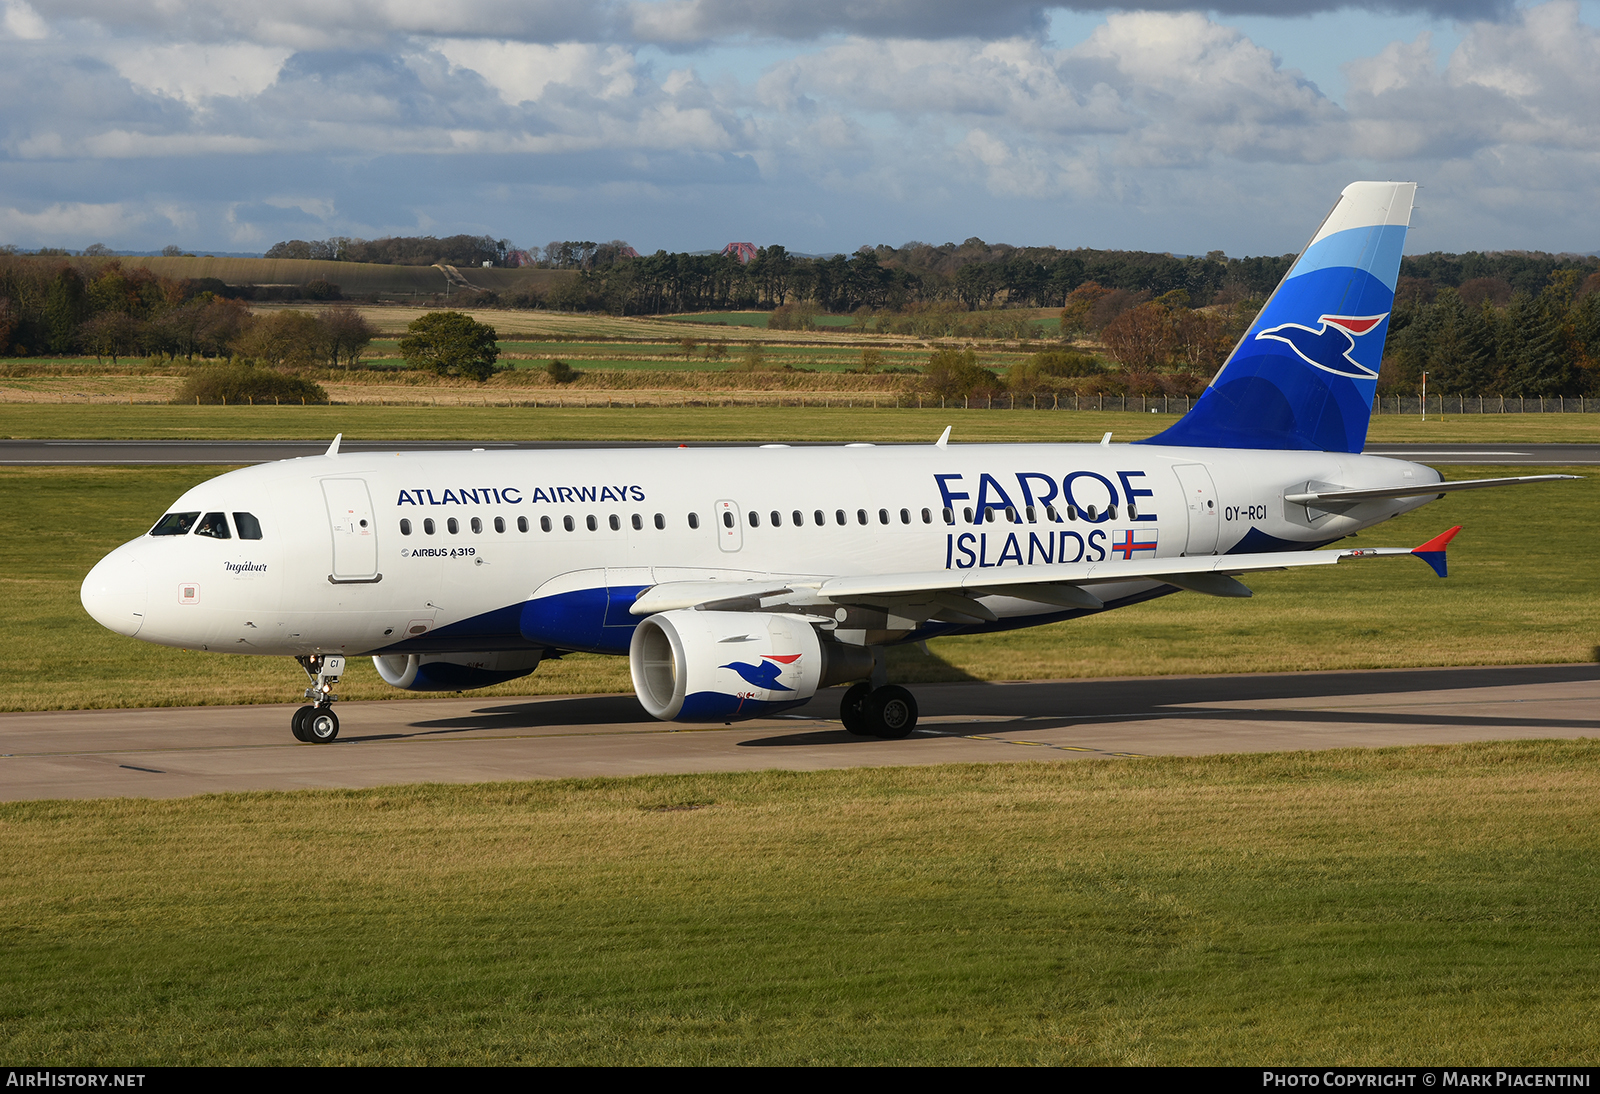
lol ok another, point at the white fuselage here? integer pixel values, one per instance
(336, 571)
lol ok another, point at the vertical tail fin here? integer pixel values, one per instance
(1304, 374)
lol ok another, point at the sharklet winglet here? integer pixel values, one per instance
(1433, 551)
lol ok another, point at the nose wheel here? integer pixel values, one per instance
(888, 712)
(317, 724)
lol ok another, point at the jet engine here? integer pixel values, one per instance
(700, 666)
(458, 672)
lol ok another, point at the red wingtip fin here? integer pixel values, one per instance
(1438, 542)
(1432, 552)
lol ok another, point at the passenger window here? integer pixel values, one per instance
(1050, 511)
(694, 520)
(590, 523)
(214, 525)
(477, 526)
(616, 523)
(755, 520)
(249, 527)
(175, 524)
(927, 516)
(905, 516)
(1072, 512)
(638, 522)
(1093, 512)
(777, 519)
(1031, 517)
(500, 524)
(427, 526)
(883, 516)
(1133, 511)
(1111, 512)
(567, 523)
(1011, 514)
(949, 515)
(522, 524)
(966, 515)
(799, 519)
(544, 524)
(820, 519)
(727, 519)
(861, 516)
(661, 522)
(838, 515)
(988, 514)
(405, 527)
(453, 526)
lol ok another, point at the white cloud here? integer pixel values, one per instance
(520, 72)
(67, 221)
(22, 22)
(194, 72)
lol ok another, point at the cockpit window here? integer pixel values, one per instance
(175, 524)
(247, 526)
(214, 525)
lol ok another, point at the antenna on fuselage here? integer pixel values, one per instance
(944, 438)
(333, 449)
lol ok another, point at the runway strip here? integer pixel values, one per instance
(177, 752)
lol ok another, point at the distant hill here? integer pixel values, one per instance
(353, 278)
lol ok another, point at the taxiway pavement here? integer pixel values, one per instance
(175, 752)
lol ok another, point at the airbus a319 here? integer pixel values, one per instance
(739, 582)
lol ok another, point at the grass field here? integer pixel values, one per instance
(1399, 906)
(1521, 590)
(28, 420)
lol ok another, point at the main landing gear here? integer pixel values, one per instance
(889, 712)
(317, 723)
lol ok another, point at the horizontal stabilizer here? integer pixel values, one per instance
(1420, 491)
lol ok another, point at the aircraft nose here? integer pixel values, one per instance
(116, 591)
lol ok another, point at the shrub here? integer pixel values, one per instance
(451, 344)
(952, 374)
(1061, 363)
(560, 372)
(240, 382)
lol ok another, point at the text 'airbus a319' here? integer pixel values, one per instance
(740, 581)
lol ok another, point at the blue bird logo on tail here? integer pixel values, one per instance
(1328, 347)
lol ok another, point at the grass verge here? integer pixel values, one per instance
(1396, 906)
(705, 423)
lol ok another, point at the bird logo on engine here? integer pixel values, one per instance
(765, 675)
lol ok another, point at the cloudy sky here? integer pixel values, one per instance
(819, 124)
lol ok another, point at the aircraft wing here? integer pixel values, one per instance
(956, 592)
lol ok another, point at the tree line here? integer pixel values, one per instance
(457, 250)
(1492, 336)
(110, 311)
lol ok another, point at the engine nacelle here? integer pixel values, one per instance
(696, 666)
(458, 672)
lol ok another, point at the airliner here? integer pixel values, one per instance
(739, 582)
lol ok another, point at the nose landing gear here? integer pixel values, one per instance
(317, 723)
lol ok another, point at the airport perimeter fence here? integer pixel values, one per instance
(1137, 404)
